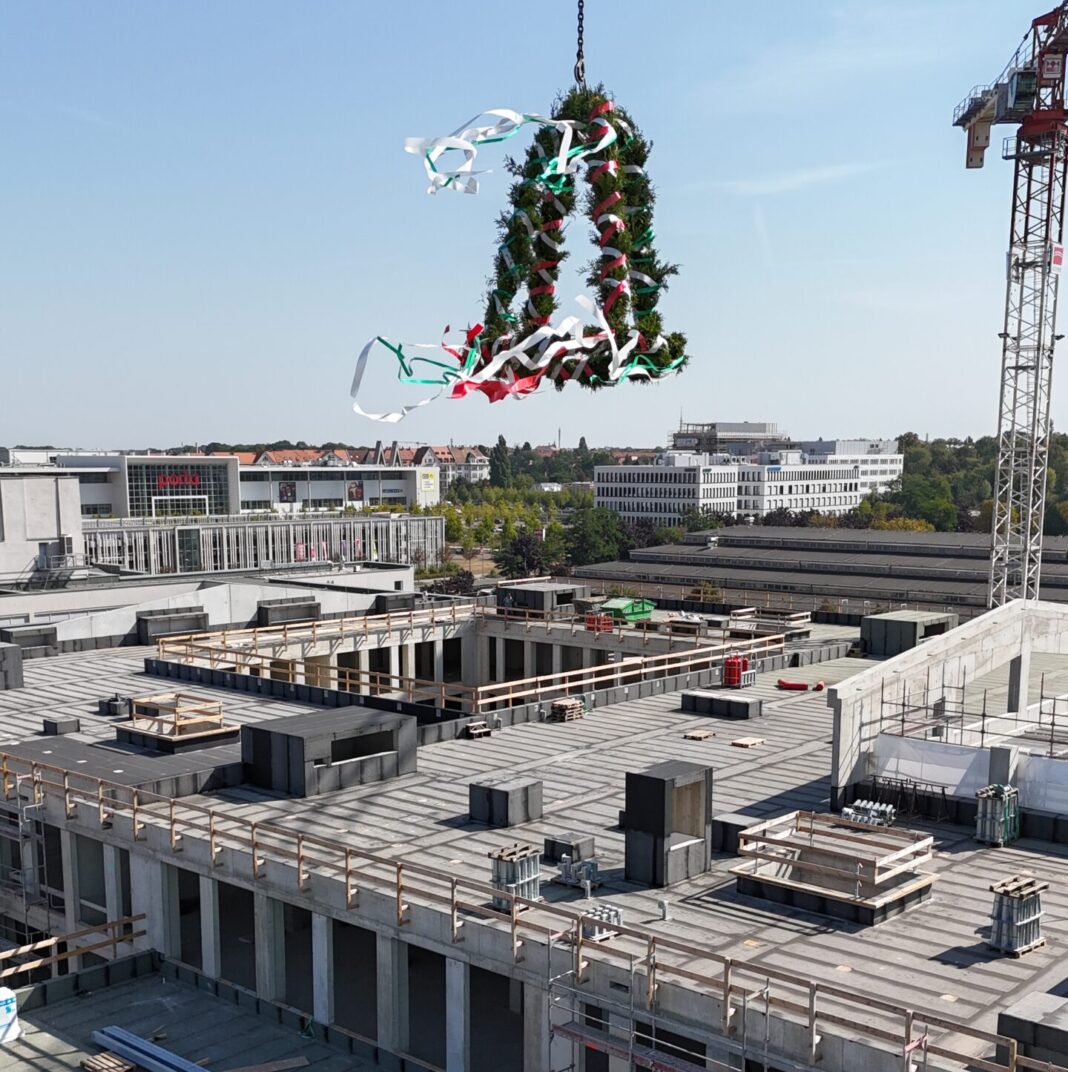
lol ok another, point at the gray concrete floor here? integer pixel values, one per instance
(198, 1027)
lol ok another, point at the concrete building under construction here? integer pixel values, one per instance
(518, 834)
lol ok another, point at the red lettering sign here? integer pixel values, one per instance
(177, 480)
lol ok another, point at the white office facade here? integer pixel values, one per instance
(791, 484)
(877, 460)
(663, 493)
(833, 479)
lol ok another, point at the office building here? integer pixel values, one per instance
(832, 477)
(677, 484)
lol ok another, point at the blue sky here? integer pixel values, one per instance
(206, 210)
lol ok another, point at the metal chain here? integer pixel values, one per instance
(580, 56)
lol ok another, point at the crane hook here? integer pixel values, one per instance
(580, 56)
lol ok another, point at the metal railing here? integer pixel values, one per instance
(259, 847)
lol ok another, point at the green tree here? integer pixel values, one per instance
(597, 535)
(521, 556)
(500, 460)
(468, 548)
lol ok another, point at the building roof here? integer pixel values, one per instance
(244, 457)
(422, 818)
(215, 1031)
(289, 457)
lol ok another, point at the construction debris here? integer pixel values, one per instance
(107, 1062)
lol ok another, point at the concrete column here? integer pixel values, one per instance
(558, 659)
(31, 875)
(408, 660)
(529, 665)
(587, 657)
(210, 936)
(72, 901)
(619, 1027)
(363, 664)
(112, 883)
(270, 948)
(298, 672)
(439, 660)
(392, 972)
(501, 671)
(540, 1050)
(154, 892)
(394, 663)
(322, 968)
(457, 1015)
(471, 673)
(1019, 672)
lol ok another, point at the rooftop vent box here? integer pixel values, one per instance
(321, 752)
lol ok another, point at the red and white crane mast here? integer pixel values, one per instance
(1030, 93)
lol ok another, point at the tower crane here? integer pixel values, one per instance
(1029, 93)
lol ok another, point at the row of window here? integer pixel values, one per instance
(259, 477)
(650, 475)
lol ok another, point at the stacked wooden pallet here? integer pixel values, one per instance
(568, 710)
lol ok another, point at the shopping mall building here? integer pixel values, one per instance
(157, 485)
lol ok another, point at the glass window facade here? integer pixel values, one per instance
(166, 488)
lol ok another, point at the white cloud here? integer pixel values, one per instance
(789, 181)
(850, 47)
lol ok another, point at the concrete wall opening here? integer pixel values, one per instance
(348, 660)
(189, 950)
(370, 744)
(513, 659)
(89, 858)
(496, 1015)
(426, 1005)
(452, 651)
(297, 924)
(237, 935)
(50, 861)
(355, 979)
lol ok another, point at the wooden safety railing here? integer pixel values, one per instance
(306, 858)
(314, 632)
(114, 931)
(627, 670)
(467, 699)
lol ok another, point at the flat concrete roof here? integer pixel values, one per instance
(933, 957)
(910, 616)
(196, 1025)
